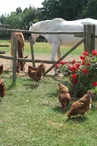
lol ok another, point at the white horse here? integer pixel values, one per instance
(88, 21)
(59, 24)
(56, 40)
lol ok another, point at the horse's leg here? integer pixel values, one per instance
(54, 50)
(55, 47)
(58, 53)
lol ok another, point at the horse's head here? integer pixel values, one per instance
(20, 66)
(34, 28)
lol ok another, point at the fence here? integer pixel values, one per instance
(88, 39)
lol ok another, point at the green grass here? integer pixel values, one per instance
(46, 48)
(42, 48)
(30, 114)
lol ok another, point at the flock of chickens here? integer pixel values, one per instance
(79, 107)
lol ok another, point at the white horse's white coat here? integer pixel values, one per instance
(59, 24)
(88, 21)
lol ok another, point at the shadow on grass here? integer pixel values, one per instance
(6, 71)
(31, 86)
(77, 119)
(59, 110)
(11, 86)
(60, 79)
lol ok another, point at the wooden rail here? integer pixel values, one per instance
(4, 45)
(28, 60)
(36, 32)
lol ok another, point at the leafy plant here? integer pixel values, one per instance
(83, 74)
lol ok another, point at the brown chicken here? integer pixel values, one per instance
(81, 106)
(36, 68)
(1, 69)
(36, 73)
(2, 88)
(64, 96)
(2, 85)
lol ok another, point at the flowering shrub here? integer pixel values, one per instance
(82, 75)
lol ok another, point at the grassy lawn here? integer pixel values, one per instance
(30, 114)
(43, 48)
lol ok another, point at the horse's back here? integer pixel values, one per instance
(87, 21)
(20, 38)
(64, 26)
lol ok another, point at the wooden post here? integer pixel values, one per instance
(89, 33)
(32, 51)
(14, 59)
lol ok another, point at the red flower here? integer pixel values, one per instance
(75, 81)
(77, 65)
(88, 64)
(83, 62)
(74, 76)
(56, 65)
(94, 52)
(85, 53)
(85, 71)
(73, 61)
(69, 63)
(72, 68)
(94, 84)
(62, 63)
(82, 57)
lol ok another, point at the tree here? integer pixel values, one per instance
(66, 9)
(29, 14)
(91, 9)
(2, 19)
(14, 20)
(18, 10)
